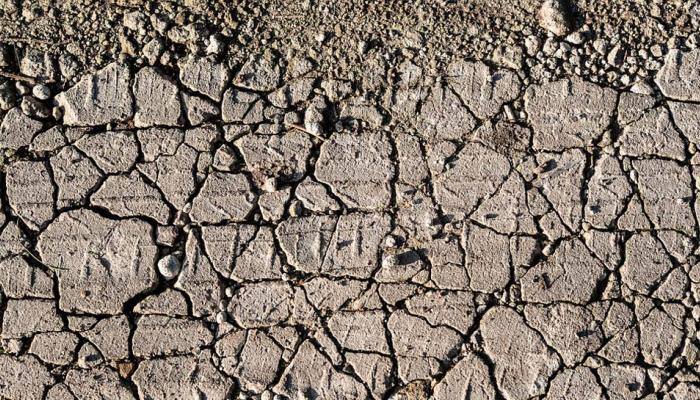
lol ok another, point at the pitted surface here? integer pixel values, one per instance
(264, 231)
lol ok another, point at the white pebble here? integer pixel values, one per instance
(169, 266)
(41, 92)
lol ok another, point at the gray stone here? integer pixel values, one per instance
(264, 304)
(30, 192)
(169, 266)
(160, 335)
(273, 204)
(315, 197)
(632, 106)
(359, 109)
(665, 190)
(75, 176)
(49, 140)
(202, 138)
(261, 73)
(97, 383)
(225, 244)
(447, 264)
(686, 116)
(240, 106)
(653, 134)
(507, 210)
(23, 378)
(522, 361)
(180, 377)
(679, 78)
(17, 130)
(419, 347)
(13, 241)
(41, 92)
(412, 168)
(228, 348)
(100, 98)
(646, 263)
(332, 294)
(568, 113)
(400, 265)
(560, 180)
(174, 175)
(443, 117)
(130, 196)
(608, 192)
(623, 382)
(486, 260)
(56, 348)
(223, 197)
(24, 318)
(112, 152)
(570, 329)
(111, 337)
(18, 279)
(475, 175)
(157, 100)
(554, 16)
(685, 390)
(278, 156)
(575, 384)
(660, 336)
(199, 280)
(199, 109)
(204, 76)
(469, 378)
(360, 330)
(452, 309)
(337, 246)
(373, 369)
(259, 361)
(357, 168)
(158, 142)
(483, 91)
(311, 372)
(570, 274)
(59, 391)
(103, 263)
(170, 302)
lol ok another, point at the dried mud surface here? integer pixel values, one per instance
(434, 200)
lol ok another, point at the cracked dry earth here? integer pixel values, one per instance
(204, 233)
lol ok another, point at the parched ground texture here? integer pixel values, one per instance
(237, 224)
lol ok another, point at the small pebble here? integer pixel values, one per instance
(22, 88)
(555, 17)
(169, 266)
(41, 92)
(296, 208)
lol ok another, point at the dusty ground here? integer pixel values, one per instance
(345, 200)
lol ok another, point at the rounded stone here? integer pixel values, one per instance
(169, 266)
(391, 241)
(296, 208)
(41, 92)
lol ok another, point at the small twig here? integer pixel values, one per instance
(39, 261)
(290, 16)
(18, 77)
(30, 40)
(301, 128)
